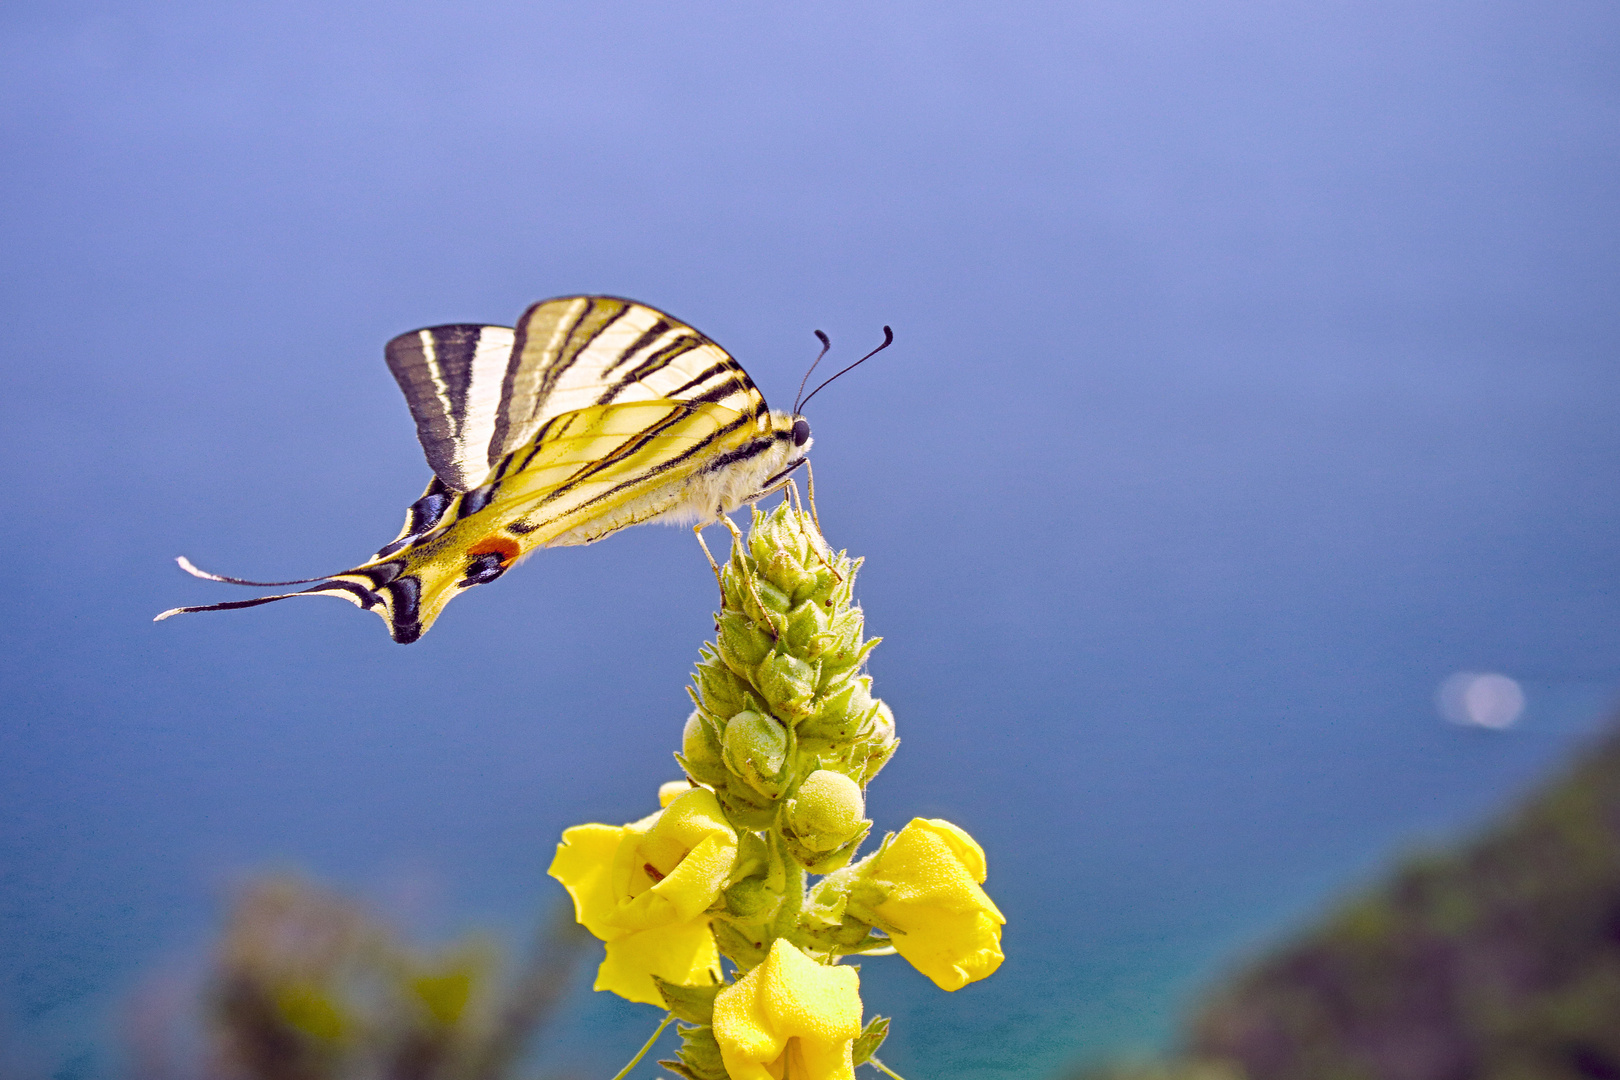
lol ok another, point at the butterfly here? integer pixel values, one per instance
(593, 414)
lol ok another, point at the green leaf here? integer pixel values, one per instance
(699, 1055)
(746, 950)
(867, 1043)
(694, 1004)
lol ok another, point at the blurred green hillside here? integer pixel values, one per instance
(1497, 960)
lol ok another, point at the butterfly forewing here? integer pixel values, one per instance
(595, 463)
(580, 351)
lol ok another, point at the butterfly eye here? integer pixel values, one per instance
(801, 431)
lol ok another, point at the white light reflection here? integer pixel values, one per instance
(1480, 699)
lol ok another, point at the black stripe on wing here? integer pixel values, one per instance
(574, 352)
(452, 378)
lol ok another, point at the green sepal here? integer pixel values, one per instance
(698, 773)
(879, 758)
(807, 630)
(843, 715)
(701, 753)
(699, 1054)
(694, 1004)
(824, 862)
(746, 949)
(867, 1043)
(755, 748)
(788, 683)
(742, 644)
(753, 856)
(775, 600)
(816, 587)
(721, 690)
(835, 667)
(746, 808)
(750, 899)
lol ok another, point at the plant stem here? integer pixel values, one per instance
(620, 1075)
(876, 1064)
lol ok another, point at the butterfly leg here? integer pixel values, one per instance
(738, 541)
(697, 531)
(810, 481)
(815, 547)
(793, 496)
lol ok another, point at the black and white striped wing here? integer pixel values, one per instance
(479, 392)
(453, 378)
(576, 352)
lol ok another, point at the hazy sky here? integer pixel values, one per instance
(1255, 370)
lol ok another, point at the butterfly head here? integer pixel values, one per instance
(780, 452)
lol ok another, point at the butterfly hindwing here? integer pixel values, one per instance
(452, 378)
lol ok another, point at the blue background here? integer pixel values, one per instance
(1255, 370)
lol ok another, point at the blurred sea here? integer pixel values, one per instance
(1118, 914)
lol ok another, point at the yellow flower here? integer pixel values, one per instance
(930, 876)
(789, 1014)
(643, 888)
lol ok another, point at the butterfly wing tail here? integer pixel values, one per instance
(191, 568)
(394, 602)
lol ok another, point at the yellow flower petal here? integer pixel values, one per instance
(643, 889)
(931, 872)
(951, 948)
(674, 868)
(671, 789)
(789, 1011)
(683, 953)
(582, 864)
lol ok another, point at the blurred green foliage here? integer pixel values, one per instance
(1498, 960)
(306, 984)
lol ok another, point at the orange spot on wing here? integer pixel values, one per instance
(498, 545)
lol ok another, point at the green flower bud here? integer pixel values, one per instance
(836, 667)
(755, 749)
(778, 543)
(843, 716)
(845, 627)
(826, 811)
(742, 644)
(816, 584)
(774, 599)
(807, 630)
(823, 824)
(788, 683)
(879, 744)
(719, 691)
(826, 919)
(751, 899)
(700, 752)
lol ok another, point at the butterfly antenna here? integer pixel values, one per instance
(189, 567)
(888, 339)
(825, 345)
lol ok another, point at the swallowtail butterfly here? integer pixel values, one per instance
(593, 414)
